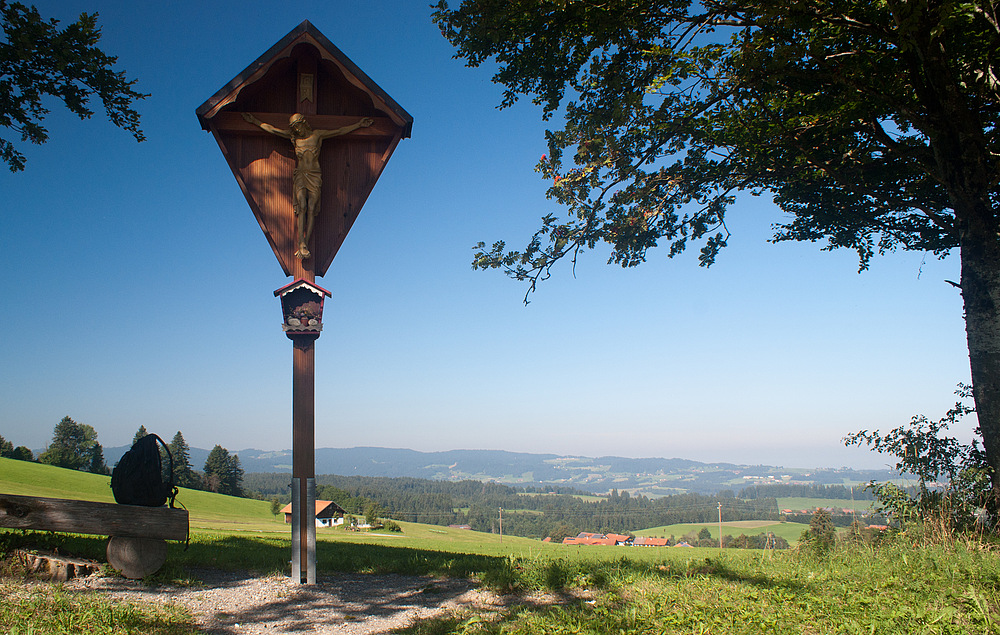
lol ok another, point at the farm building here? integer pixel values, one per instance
(587, 538)
(328, 513)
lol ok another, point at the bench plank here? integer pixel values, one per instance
(87, 517)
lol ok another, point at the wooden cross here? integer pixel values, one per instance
(305, 74)
(305, 194)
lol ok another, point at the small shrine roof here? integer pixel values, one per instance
(302, 282)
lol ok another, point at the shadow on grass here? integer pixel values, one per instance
(269, 555)
(263, 555)
(272, 555)
(722, 569)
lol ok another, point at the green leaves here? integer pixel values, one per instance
(868, 122)
(223, 472)
(923, 449)
(37, 59)
(72, 446)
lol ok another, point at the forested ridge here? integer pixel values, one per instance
(529, 513)
(797, 490)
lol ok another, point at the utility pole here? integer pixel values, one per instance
(854, 511)
(720, 525)
(501, 525)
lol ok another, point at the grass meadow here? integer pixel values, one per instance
(809, 504)
(901, 585)
(786, 530)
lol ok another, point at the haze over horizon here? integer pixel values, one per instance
(885, 466)
(138, 286)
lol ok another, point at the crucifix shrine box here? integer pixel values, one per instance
(306, 134)
(302, 309)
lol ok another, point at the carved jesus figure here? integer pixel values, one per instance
(307, 179)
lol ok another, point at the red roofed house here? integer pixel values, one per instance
(587, 538)
(328, 513)
(620, 539)
(583, 538)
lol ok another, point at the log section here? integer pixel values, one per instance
(86, 517)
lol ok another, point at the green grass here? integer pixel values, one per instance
(28, 610)
(886, 591)
(894, 588)
(33, 479)
(798, 504)
(207, 511)
(788, 531)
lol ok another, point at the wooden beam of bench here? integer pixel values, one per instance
(87, 517)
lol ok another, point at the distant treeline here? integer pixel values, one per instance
(533, 514)
(789, 490)
(839, 520)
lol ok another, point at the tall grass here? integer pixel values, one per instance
(888, 590)
(38, 610)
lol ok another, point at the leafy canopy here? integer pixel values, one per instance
(869, 122)
(74, 446)
(40, 60)
(223, 472)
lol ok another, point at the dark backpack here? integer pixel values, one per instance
(138, 479)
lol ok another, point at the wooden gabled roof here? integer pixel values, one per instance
(304, 33)
(321, 506)
(300, 282)
(305, 74)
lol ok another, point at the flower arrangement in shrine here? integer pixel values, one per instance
(306, 315)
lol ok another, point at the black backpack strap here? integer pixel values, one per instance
(171, 488)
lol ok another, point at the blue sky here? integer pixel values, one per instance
(137, 286)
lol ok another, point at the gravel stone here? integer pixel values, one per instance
(231, 603)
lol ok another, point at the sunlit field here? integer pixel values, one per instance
(895, 586)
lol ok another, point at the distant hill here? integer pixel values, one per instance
(650, 476)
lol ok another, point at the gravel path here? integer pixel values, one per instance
(233, 603)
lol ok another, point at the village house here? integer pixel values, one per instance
(649, 541)
(587, 538)
(328, 513)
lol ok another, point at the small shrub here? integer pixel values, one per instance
(598, 579)
(503, 578)
(556, 575)
(922, 448)
(822, 535)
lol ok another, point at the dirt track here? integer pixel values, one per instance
(232, 603)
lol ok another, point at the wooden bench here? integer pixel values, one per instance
(137, 546)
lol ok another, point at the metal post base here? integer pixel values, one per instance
(296, 531)
(311, 531)
(304, 574)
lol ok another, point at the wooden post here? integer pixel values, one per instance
(304, 449)
(304, 381)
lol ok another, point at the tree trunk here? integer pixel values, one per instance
(980, 254)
